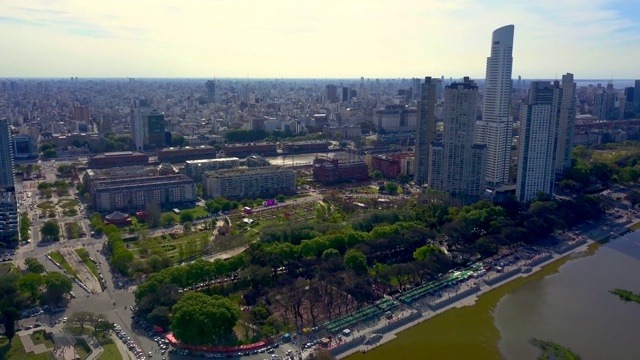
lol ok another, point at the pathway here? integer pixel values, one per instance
(29, 346)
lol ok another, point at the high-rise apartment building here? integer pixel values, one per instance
(495, 129)
(332, 94)
(566, 124)
(538, 140)
(6, 156)
(457, 163)
(425, 129)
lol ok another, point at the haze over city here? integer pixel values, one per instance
(294, 39)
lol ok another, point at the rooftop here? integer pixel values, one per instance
(207, 161)
(246, 171)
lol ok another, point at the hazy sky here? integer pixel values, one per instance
(308, 38)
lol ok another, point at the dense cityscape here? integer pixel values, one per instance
(302, 218)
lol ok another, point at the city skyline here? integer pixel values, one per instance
(288, 39)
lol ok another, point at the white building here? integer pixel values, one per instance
(249, 182)
(196, 168)
(538, 140)
(495, 129)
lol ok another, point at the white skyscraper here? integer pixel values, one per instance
(538, 140)
(139, 112)
(495, 129)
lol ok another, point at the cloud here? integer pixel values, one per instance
(330, 38)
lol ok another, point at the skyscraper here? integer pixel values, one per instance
(211, 90)
(636, 97)
(425, 130)
(566, 124)
(538, 140)
(457, 163)
(138, 113)
(332, 93)
(495, 129)
(6, 156)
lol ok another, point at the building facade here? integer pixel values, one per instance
(147, 126)
(249, 182)
(538, 138)
(333, 171)
(457, 163)
(395, 118)
(566, 124)
(195, 169)
(130, 194)
(6, 156)
(180, 155)
(495, 129)
(117, 159)
(425, 130)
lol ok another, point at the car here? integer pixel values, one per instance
(150, 354)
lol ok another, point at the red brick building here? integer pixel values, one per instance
(334, 171)
(118, 159)
(387, 165)
(180, 155)
(244, 150)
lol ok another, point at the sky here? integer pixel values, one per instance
(593, 39)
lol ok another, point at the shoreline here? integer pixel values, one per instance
(483, 289)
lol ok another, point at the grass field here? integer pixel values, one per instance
(197, 212)
(82, 348)
(60, 259)
(46, 205)
(167, 244)
(39, 337)
(86, 259)
(110, 352)
(635, 226)
(15, 350)
(68, 203)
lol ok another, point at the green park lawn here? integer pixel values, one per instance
(39, 337)
(166, 243)
(86, 259)
(15, 350)
(46, 205)
(110, 352)
(197, 211)
(60, 259)
(68, 203)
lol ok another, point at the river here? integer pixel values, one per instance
(574, 308)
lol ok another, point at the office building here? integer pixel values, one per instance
(458, 163)
(495, 128)
(425, 129)
(538, 140)
(118, 158)
(147, 126)
(6, 156)
(195, 169)
(566, 124)
(211, 90)
(254, 182)
(332, 94)
(333, 170)
(24, 147)
(131, 194)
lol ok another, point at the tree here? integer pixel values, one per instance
(103, 328)
(34, 266)
(31, 284)
(280, 198)
(391, 188)
(50, 153)
(160, 316)
(82, 318)
(9, 317)
(153, 214)
(50, 230)
(187, 226)
(57, 285)
(199, 319)
(330, 253)
(354, 259)
(424, 251)
(186, 216)
(167, 219)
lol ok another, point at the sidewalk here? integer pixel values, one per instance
(29, 346)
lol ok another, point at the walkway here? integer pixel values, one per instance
(29, 346)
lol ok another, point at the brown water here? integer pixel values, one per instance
(575, 309)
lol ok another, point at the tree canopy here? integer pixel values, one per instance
(199, 319)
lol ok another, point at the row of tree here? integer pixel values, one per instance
(120, 257)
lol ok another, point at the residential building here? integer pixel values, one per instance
(495, 128)
(130, 194)
(538, 140)
(566, 124)
(343, 132)
(8, 216)
(395, 118)
(91, 175)
(82, 113)
(195, 169)
(425, 130)
(636, 97)
(210, 85)
(332, 94)
(457, 162)
(240, 183)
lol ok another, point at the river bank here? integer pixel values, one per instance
(466, 329)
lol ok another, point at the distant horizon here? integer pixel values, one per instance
(292, 78)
